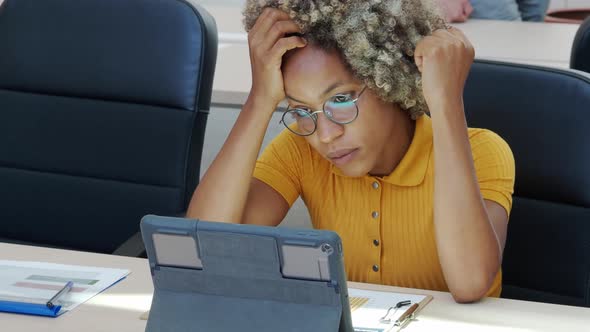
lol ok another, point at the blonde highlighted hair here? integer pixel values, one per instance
(376, 38)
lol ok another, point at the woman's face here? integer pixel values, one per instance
(372, 143)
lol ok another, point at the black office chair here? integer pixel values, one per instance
(544, 115)
(103, 107)
(580, 57)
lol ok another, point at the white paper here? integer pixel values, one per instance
(37, 282)
(366, 317)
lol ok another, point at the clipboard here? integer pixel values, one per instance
(371, 303)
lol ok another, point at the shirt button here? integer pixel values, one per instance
(375, 214)
(376, 243)
(375, 185)
(376, 268)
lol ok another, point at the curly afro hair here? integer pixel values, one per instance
(376, 38)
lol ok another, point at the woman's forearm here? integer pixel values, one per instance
(223, 190)
(468, 247)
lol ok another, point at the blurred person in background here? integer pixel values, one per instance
(510, 10)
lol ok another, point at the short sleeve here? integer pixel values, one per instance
(494, 166)
(281, 165)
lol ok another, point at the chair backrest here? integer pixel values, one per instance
(580, 57)
(544, 115)
(103, 106)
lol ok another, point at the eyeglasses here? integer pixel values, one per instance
(340, 109)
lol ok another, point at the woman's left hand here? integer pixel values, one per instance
(444, 59)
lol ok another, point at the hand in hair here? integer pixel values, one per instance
(376, 39)
(269, 39)
(444, 59)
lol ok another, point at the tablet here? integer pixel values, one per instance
(211, 276)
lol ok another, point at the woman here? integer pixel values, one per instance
(418, 201)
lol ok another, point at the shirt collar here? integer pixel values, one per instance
(411, 170)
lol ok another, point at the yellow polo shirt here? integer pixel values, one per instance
(385, 223)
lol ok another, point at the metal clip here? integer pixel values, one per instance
(385, 319)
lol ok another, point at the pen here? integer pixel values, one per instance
(60, 294)
(407, 315)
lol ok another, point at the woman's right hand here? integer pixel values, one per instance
(268, 44)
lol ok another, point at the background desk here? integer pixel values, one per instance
(118, 308)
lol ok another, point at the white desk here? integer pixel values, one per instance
(545, 44)
(118, 308)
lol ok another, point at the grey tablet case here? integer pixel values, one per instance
(211, 276)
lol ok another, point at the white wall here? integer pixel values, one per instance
(578, 3)
(553, 5)
(556, 4)
(219, 2)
